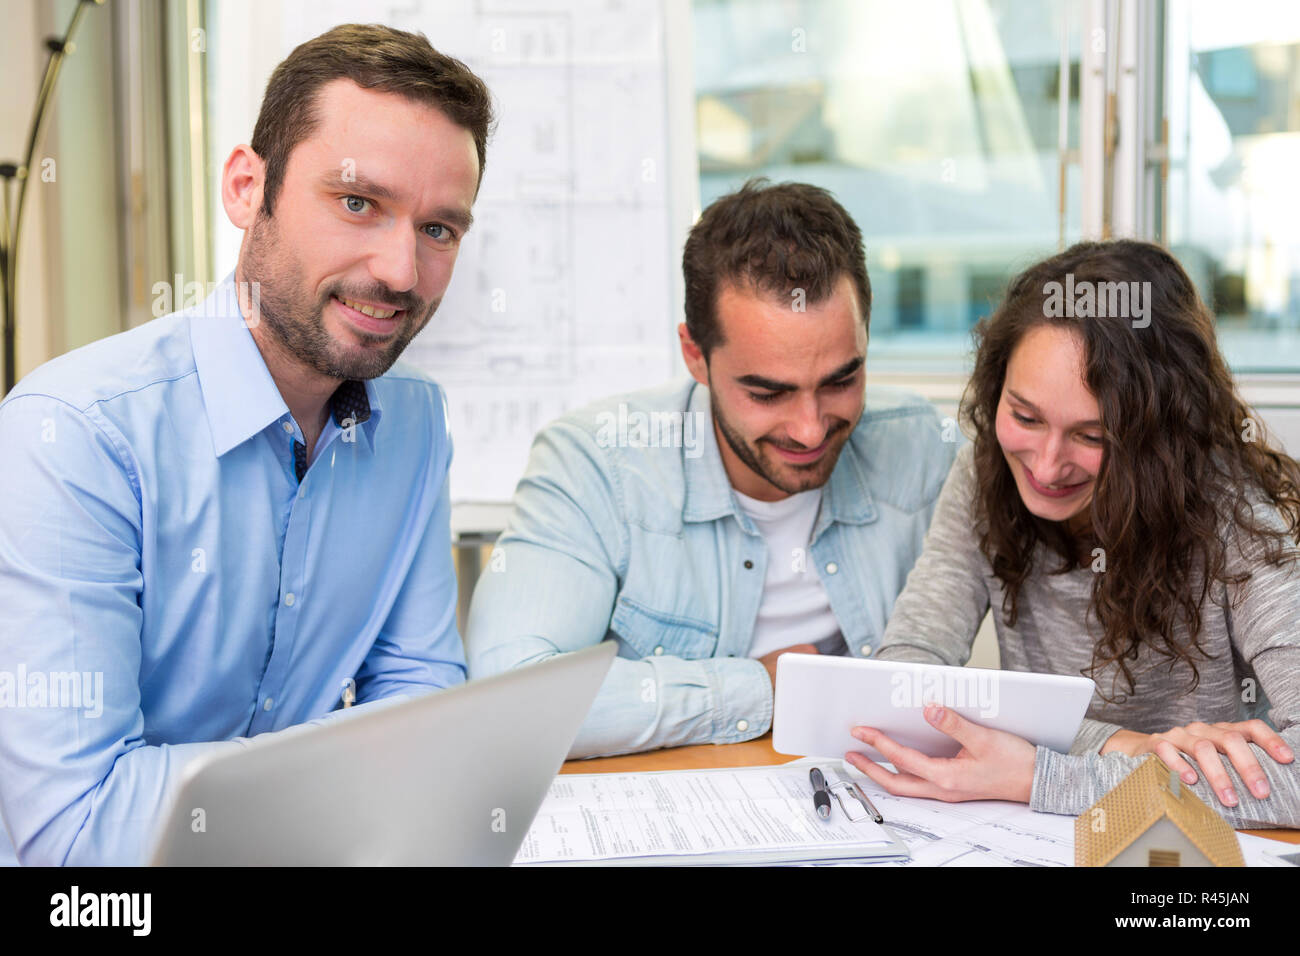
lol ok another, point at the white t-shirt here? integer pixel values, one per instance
(795, 608)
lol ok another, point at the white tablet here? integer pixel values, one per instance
(819, 700)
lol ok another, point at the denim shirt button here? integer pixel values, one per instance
(749, 565)
(659, 652)
(866, 650)
(832, 568)
(742, 725)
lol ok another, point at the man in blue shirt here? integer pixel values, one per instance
(216, 522)
(771, 503)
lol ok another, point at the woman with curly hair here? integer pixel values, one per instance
(1122, 513)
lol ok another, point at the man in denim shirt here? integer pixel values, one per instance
(771, 503)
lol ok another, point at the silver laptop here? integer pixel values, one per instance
(452, 778)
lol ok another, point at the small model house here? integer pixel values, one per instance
(1151, 819)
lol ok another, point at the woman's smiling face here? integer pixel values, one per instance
(1049, 424)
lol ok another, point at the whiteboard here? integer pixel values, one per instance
(568, 288)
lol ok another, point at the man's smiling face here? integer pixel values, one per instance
(786, 387)
(365, 231)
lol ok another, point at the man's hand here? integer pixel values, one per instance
(769, 660)
(992, 764)
(1205, 742)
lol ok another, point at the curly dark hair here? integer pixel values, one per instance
(1184, 459)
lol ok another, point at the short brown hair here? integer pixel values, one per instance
(772, 239)
(375, 57)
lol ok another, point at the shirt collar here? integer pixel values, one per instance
(848, 498)
(708, 493)
(350, 403)
(239, 393)
(708, 490)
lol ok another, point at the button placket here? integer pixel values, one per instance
(287, 615)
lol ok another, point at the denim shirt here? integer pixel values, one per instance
(625, 526)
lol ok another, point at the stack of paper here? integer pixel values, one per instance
(703, 817)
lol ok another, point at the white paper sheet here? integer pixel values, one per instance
(764, 814)
(996, 833)
(743, 814)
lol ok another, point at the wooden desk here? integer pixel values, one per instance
(752, 753)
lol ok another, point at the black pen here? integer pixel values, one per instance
(821, 794)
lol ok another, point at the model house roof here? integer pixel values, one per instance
(1139, 800)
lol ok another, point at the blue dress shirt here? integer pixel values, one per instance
(169, 586)
(632, 533)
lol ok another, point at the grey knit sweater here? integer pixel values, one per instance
(1253, 670)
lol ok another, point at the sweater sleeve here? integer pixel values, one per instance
(936, 617)
(1264, 627)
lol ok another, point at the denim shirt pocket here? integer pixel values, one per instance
(653, 633)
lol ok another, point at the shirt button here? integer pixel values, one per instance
(659, 652)
(748, 565)
(832, 568)
(866, 650)
(742, 725)
(288, 599)
(268, 703)
(288, 429)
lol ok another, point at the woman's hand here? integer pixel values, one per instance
(992, 764)
(1205, 742)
